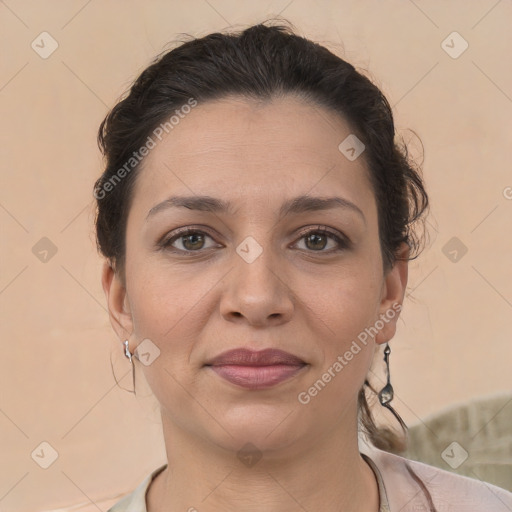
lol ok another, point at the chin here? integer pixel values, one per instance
(268, 427)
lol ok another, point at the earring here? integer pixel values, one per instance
(127, 352)
(386, 393)
(129, 355)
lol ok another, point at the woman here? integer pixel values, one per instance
(256, 216)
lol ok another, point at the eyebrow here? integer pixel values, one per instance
(297, 205)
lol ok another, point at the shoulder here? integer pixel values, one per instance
(449, 492)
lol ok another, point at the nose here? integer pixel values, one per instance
(257, 293)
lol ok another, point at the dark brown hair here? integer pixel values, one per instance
(262, 62)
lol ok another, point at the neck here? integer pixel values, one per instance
(326, 473)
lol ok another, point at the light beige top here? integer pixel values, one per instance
(398, 490)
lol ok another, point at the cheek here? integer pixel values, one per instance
(168, 307)
(350, 341)
(346, 348)
(344, 313)
(156, 291)
(351, 297)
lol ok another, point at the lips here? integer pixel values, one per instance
(256, 369)
(246, 357)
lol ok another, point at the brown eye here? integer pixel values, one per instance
(191, 240)
(316, 240)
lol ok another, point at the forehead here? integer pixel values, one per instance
(241, 149)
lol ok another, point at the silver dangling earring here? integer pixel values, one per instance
(127, 352)
(386, 393)
(129, 355)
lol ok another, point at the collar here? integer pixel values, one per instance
(136, 500)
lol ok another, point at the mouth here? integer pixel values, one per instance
(256, 369)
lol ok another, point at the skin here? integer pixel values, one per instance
(296, 296)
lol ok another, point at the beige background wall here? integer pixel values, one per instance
(454, 342)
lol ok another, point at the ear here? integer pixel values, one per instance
(117, 302)
(393, 291)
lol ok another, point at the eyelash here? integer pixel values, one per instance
(166, 242)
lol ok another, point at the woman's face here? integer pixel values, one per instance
(251, 276)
